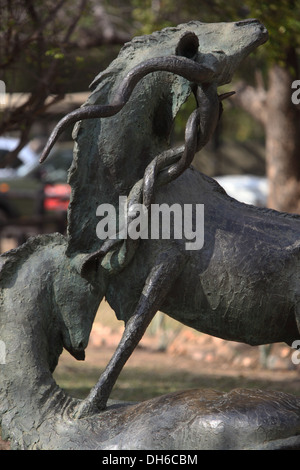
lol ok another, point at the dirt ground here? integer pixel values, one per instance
(173, 346)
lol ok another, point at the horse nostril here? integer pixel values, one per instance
(188, 45)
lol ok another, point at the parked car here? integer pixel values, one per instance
(32, 192)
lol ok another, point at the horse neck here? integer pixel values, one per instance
(28, 392)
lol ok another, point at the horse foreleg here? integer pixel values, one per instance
(157, 286)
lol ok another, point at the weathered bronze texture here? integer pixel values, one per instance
(241, 285)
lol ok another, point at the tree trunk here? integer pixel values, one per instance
(274, 109)
(282, 143)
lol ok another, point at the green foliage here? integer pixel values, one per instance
(55, 52)
(151, 15)
(282, 19)
(239, 126)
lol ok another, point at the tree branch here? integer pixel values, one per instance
(103, 31)
(35, 29)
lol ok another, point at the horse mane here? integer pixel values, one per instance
(85, 166)
(127, 53)
(14, 258)
(155, 37)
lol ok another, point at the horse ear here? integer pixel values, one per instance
(188, 45)
(86, 264)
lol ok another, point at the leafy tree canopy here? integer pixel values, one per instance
(281, 18)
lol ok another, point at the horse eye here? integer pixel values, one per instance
(188, 45)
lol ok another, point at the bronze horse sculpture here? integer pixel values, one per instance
(241, 285)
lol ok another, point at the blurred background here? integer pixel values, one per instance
(50, 51)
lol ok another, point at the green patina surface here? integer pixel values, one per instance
(242, 285)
